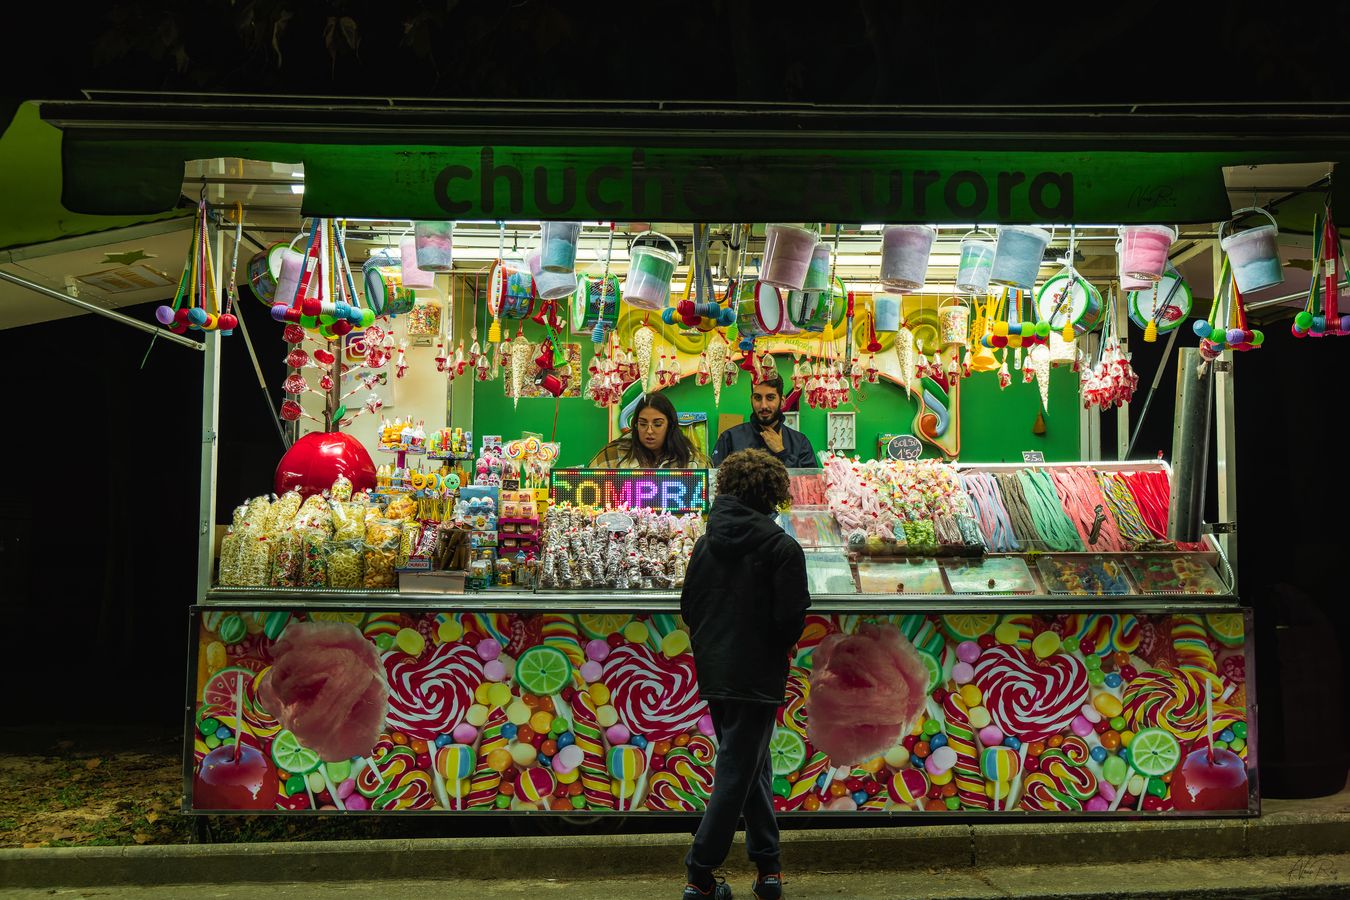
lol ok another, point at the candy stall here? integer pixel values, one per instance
(442, 604)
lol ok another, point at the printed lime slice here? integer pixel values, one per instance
(543, 671)
(787, 751)
(288, 754)
(934, 670)
(1154, 752)
(1227, 628)
(968, 626)
(602, 625)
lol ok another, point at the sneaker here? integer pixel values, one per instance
(768, 887)
(719, 891)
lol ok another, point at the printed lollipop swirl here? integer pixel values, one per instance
(1175, 699)
(429, 696)
(589, 737)
(1063, 781)
(793, 713)
(685, 784)
(654, 696)
(1028, 698)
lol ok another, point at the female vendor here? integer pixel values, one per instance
(655, 441)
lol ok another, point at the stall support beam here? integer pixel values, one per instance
(206, 497)
(1225, 444)
(155, 330)
(1122, 411)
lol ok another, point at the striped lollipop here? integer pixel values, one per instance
(536, 784)
(1030, 698)
(594, 774)
(486, 780)
(961, 738)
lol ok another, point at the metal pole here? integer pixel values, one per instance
(206, 492)
(1225, 447)
(1190, 446)
(156, 330)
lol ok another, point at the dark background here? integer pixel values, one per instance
(98, 519)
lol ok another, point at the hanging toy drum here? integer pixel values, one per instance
(1080, 307)
(510, 290)
(1017, 257)
(904, 257)
(550, 285)
(1254, 253)
(595, 300)
(1166, 303)
(811, 311)
(977, 260)
(759, 309)
(385, 293)
(1143, 250)
(435, 247)
(954, 324)
(650, 270)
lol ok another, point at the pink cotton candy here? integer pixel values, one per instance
(867, 689)
(327, 685)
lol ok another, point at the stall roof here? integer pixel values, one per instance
(681, 161)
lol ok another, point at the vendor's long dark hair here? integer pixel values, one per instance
(677, 447)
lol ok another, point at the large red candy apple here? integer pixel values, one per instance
(223, 782)
(1203, 784)
(316, 460)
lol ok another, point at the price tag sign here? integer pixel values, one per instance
(904, 446)
(617, 522)
(1033, 456)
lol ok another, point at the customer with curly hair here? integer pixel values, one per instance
(745, 600)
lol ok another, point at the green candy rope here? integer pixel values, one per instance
(1047, 514)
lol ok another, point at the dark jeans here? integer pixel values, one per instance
(743, 783)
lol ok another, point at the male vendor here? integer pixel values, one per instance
(766, 431)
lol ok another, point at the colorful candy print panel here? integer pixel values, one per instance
(397, 712)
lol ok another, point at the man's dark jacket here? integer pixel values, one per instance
(797, 451)
(745, 601)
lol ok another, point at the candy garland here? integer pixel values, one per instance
(1081, 496)
(995, 527)
(1124, 509)
(1112, 381)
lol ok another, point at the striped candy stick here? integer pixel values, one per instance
(594, 772)
(969, 779)
(806, 779)
(486, 780)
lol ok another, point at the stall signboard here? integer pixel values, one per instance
(673, 490)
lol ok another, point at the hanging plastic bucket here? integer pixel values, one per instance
(977, 259)
(1254, 253)
(788, 251)
(759, 309)
(1127, 282)
(434, 245)
(818, 275)
(385, 291)
(558, 253)
(1017, 258)
(650, 270)
(290, 270)
(1143, 253)
(264, 269)
(954, 324)
(510, 290)
(413, 277)
(904, 257)
(550, 285)
(887, 312)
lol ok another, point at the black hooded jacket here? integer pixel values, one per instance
(745, 601)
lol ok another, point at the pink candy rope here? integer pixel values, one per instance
(867, 689)
(1080, 495)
